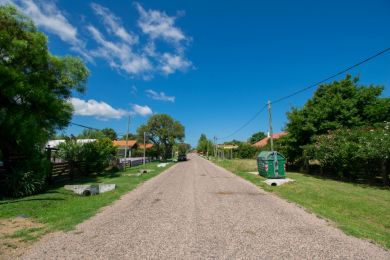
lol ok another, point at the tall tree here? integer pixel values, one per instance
(256, 137)
(91, 134)
(341, 104)
(163, 131)
(34, 88)
(202, 144)
(109, 133)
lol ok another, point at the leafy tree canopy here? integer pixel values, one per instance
(256, 137)
(341, 104)
(98, 134)
(163, 131)
(202, 144)
(34, 86)
(110, 133)
(34, 89)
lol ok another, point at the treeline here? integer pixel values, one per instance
(342, 132)
(35, 89)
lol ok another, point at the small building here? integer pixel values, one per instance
(131, 146)
(148, 146)
(263, 142)
(55, 143)
(123, 145)
(228, 148)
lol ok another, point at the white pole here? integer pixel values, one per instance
(270, 125)
(144, 147)
(207, 154)
(127, 138)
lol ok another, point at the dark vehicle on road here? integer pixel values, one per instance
(182, 157)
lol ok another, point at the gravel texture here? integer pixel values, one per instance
(197, 210)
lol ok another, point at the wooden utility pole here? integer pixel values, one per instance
(270, 126)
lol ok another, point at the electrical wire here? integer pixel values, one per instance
(247, 123)
(332, 76)
(307, 88)
(84, 126)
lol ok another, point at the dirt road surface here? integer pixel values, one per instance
(196, 210)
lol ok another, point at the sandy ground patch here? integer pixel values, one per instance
(17, 235)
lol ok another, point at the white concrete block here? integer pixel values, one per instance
(277, 182)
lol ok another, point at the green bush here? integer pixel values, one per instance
(28, 177)
(353, 153)
(97, 154)
(246, 151)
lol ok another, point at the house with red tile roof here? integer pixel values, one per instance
(263, 142)
(131, 146)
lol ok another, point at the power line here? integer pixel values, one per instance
(84, 126)
(247, 123)
(332, 76)
(308, 87)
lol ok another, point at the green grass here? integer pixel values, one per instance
(29, 234)
(359, 210)
(60, 209)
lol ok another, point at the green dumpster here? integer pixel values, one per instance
(271, 165)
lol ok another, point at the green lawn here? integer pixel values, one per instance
(60, 209)
(358, 210)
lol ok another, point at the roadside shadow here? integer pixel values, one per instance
(23, 200)
(363, 183)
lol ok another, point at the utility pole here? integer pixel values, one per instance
(214, 148)
(144, 146)
(127, 139)
(270, 125)
(207, 154)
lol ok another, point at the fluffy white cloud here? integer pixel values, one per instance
(46, 15)
(103, 111)
(121, 49)
(172, 62)
(159, 96)
(100, 110)
(119, 55)
(113, 24)
(141, 110)
(158, 24)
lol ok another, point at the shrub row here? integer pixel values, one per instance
(361, 153)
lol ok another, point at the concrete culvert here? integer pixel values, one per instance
(87, 193)
(274, 184)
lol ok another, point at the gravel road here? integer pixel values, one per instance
(196, 210)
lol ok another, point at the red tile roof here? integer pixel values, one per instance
(122, 143)
(148, 146)
(263, 142)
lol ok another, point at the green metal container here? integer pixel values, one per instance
(271, 165)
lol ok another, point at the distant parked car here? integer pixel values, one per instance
(182, 157)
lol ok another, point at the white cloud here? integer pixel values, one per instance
(159, 96)
(141, 110)
(172, 62)
(121, 49)
(46, 15)
(100, 110)
(113, 24)
(158, 24)
(134, 90)
(119, 55)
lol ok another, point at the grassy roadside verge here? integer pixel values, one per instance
(358, 210)
(60, 209)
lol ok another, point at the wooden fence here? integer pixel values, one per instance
(68, 171)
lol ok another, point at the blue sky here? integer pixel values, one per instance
(209, 64)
